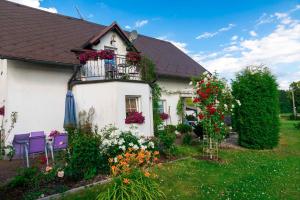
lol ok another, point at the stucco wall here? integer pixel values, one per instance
(108, 100)
(3, 85)
(171, 89)
(37, 92)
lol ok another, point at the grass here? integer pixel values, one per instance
(245, 174)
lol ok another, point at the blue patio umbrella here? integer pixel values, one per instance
(70, 112)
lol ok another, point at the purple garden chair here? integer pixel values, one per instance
(20, 143)
(37, 133)
(37, 144)
(60, 142)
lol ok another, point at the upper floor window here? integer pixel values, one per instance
(161, 106)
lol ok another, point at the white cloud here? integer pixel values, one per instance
(210, 35)
(235, 37)
(35, 4)
(141, 23)
(128, 27)
(180, 45)
(280, 50)
(253, 33)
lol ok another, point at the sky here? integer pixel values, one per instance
(223, 36)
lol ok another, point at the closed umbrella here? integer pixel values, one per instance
(70, 112)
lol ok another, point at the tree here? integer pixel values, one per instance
(285, 102)
(257, 120)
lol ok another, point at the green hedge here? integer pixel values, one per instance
(257, 119)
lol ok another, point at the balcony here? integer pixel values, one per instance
(117, 68)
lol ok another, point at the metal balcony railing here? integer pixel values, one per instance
(115, 69)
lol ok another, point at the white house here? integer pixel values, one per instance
(38, 64)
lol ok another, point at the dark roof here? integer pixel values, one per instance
(35, 35)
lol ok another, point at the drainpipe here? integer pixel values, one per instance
(76, 69)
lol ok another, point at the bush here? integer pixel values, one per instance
(85, 159)
(191, 118)
(292, 117)
(187, 139)
(184, 128)
(166, 140)
(257, 119)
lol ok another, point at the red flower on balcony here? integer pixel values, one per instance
(133, 57)
(2, 110)
(106, 54)
(54, 133)
(164, 116)
(135, 117)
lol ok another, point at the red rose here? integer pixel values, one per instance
(222, 117)
(201, 116)
(196, 100)
(211, 110)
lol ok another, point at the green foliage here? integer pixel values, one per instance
(147, 69)
(187, 139)
(184, 128)
(257, 119)
(166, 140)
(179, 107)
(198, 130)
(285, 102)
(85, 159)
(26, 177)
(139, 187)
(156, 94)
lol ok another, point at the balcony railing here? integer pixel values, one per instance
(115, 69)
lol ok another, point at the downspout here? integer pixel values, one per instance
(70, 82)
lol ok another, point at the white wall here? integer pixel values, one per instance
(108, 100)
(3, 80)
(37, 92)
(105, 41)
(172, 90)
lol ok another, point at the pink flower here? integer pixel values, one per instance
(2, 110)
(48, 168)
(135, 117)
(164, 116)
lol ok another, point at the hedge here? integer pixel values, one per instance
(257, 119)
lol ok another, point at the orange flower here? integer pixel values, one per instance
(156, 153)
(147, 174)
(119, 157)
(110, 160)
(126, 181)
(155, 159)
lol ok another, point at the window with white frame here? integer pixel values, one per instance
(132, 104)
(161, 106)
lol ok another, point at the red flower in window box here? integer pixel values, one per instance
(2, 110)
(94, 55)
(135, 117)
(106, 54)
(133, 57)
(164, 116)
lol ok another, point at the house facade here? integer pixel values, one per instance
(39, 64)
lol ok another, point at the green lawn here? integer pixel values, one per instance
(245, 174)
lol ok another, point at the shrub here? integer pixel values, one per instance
(85, 159)
(187, 139)
(184, 128)
(191, 118)
(166, 140)
(293, 117)
(257, 119)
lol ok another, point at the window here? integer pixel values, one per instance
(132, 104)
(161, 106)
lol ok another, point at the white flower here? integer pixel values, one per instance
(151, 144)
(130, 144)
(232, 106)
(122, 147)
(141, 141)
(143, 147)
(60, 174)
(115, 159)
(205, 80)
(135, 147)
(238, 102)
(205, 73)
(191, 83)
(121, 141)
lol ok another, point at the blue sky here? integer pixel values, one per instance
(223, 36)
